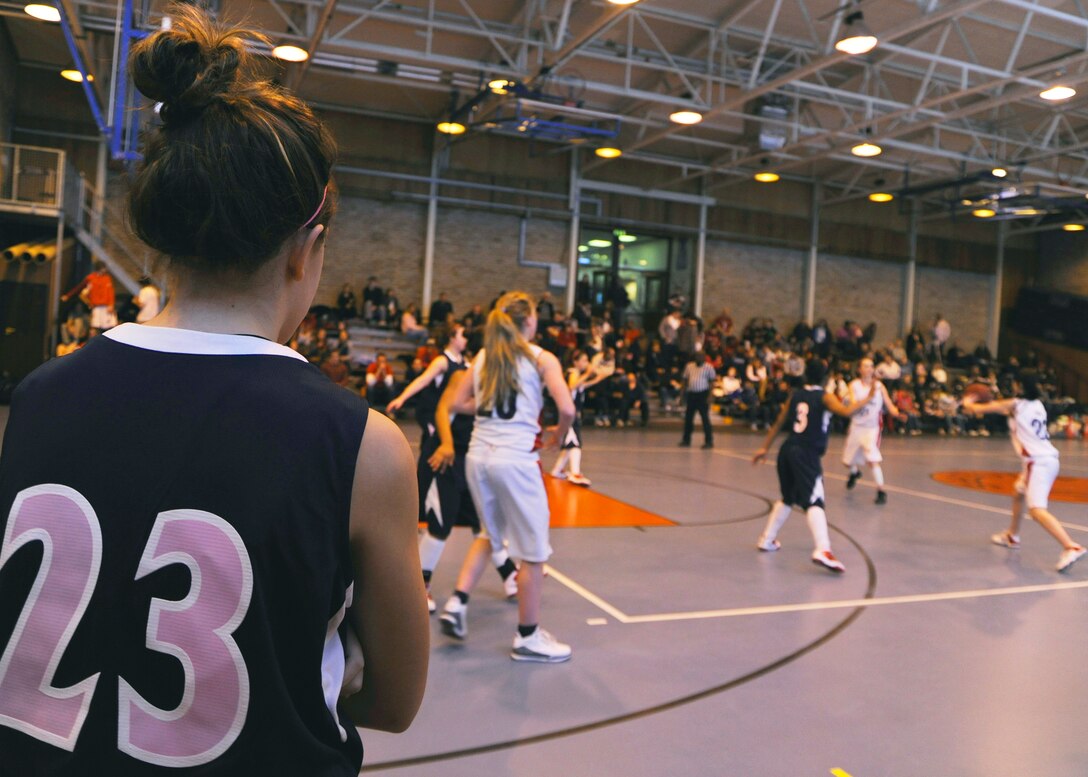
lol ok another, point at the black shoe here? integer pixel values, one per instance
(881, 498)
(685, 443)
(707, 445)
(853, 480)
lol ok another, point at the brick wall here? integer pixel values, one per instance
(753, 281)
(860, 290)
(962, 297)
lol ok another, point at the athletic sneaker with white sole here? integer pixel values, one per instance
(768, 546)
(431, 606)
(1069, 557)
(1006, 540)
(540, 646)
(828, 561)
(579, 479)
(454, 619)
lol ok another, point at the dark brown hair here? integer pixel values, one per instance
(238, 165)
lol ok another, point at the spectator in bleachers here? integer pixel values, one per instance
(345, 303)
(545, 308)
(888, 370)
(97, 291)
(635, 397)
(392, 308)
(409, 324)
(379, 382)
(373, 302)
(441, 310)
(335, 369)
(148, 300)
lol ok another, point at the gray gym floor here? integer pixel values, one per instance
(694, 654)
(936, 653)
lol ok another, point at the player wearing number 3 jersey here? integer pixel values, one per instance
(199, 529)
(1039, 467)
(806, 418)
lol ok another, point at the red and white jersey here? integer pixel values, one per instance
(1027, 427)
(514, 426)
(869, 418)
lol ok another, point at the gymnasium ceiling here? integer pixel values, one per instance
(951, 91)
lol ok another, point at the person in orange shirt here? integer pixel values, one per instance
(100, 297)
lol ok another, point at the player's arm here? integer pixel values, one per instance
(462, 400)
(892, 409)
(551, 374)
(389, 612)
(776, 427)
(443, 457)
(437, 366)
(997, 407)
(835, 405)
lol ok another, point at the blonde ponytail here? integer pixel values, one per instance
(503, 343)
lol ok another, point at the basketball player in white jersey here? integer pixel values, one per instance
(863, 438)
(504, 387)
(1039, 458)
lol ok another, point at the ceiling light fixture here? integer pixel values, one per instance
(608, 152)
(1056, 93)
(627, 238)
(685, 117)
(1073, 227)
(450, 127)
(999, 172)
(767, 177)
(46, 13)
(866, 149)
(290, 53)
(598, 242)
(583, 249)
(856, 38)
(983, 213)
(623, 2)
(75, 76)
(881, 197)
(500, 86)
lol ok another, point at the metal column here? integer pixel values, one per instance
(813, 253)
(700, 260)
(574, 203)
(906, 317)
(995, 300)
(428, 244)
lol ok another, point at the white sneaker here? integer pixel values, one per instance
(1006, 540)
(431, 606)
(827, 560)
(510, 585)
(559, 475)
(769, 546)
(578, 479)
(1069, 557)
(454, 619)
(540, 646)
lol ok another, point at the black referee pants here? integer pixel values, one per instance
(697, 403)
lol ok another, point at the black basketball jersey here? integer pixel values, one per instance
(461, 423)
(175, 565)
(428, 396)
(807, 421)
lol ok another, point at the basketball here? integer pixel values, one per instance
(978, 393)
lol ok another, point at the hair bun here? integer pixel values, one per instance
(188, 66)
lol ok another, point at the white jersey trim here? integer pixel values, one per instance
(189, 341)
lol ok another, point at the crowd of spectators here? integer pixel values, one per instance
(755, 366)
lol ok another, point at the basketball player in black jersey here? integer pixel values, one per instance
(444, 500)
(184, 604)
(800, 474)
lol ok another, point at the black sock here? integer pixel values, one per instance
(427, 577)
(462, 596)
(507, 568)
(525, 631)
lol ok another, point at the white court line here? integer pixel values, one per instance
(623, 617)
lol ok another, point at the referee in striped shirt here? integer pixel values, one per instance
(698, 376)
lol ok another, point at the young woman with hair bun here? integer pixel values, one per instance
(201, 593)
(504, 388)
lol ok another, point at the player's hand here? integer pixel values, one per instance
(759, 455)
(549, 438)
(353, 665)
(395, 405)
(442, 459)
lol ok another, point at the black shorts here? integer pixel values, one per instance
(444, 499)
(574, 436)
(800, 476)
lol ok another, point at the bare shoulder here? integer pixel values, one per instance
(384, 453)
